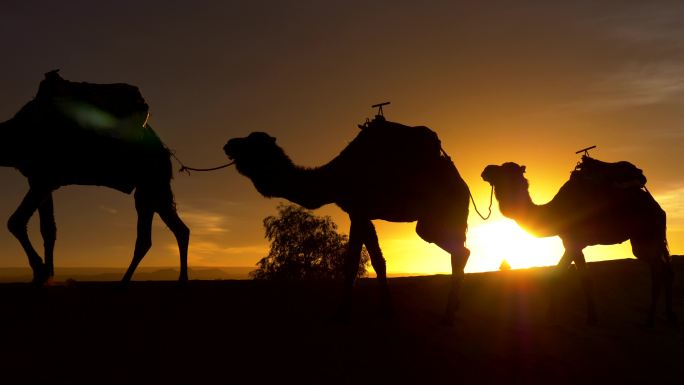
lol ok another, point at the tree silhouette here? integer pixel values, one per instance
(304, 247)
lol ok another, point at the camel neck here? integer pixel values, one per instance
(308, 187)
(530, 216)
(311, 188)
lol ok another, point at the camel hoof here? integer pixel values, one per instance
(123, 285)
(40, 276)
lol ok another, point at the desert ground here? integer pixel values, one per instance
(240, 331)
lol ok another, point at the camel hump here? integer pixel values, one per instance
(409, 142)
(621, 174)
(119, 100)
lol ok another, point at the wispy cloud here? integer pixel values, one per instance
(109, 210)
(650, 41)
(203, 222)
(208, 253)
(672, 201)
(637, 85)
(646, 23)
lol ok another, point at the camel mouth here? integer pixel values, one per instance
(229, 149)
(488, 174)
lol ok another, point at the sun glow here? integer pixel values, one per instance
(490, 244)
(493, 242)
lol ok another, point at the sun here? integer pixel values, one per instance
(493, 242)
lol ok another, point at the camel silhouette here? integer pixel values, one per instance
(389, 171)
(88, 134)
(592, 208)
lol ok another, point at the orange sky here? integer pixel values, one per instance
(530, 84)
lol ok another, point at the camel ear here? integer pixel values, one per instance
(522, 168)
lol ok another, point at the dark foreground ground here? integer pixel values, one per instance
(254, 332)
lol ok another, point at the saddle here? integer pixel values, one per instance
(417, 142)
(621, 175)
(116, 106)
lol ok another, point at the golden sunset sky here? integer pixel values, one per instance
(525, 81)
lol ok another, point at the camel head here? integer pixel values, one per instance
(258, 157)
(508, 174)
(509, 182)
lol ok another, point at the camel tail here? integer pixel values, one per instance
(167, 171)
(159, 170)
(665, 254)
(666, 248)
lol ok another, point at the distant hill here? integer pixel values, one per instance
(20, 274)
(23, 274)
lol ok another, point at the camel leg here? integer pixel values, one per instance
(450, 237)
(554, 279)
(459, 258)
(17, 226)
(48, 229)
(379, 265)
(182, 234)
(643, 250)
(143, 242)
(668, 281)
(587, 287)
(656, 283)
(357, 231)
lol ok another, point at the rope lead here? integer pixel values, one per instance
(491, 195)
(187, 169)
(491, 200)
